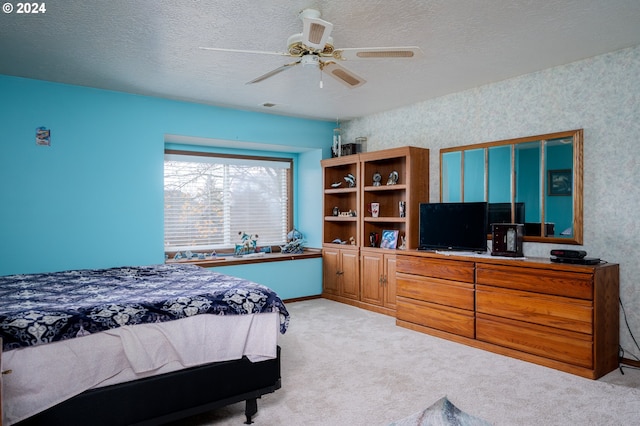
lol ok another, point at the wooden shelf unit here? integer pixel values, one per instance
(373, 285)
(343, 197)
(412, 187)
(557, 315)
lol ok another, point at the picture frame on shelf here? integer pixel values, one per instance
(389, 239)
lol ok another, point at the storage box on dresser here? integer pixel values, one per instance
(557, 315)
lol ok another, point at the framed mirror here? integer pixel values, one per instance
(536, 180)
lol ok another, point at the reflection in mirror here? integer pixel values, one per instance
(500, 169)
(558, 206)
(528, 162)
(534, 180)
(450, 177)
(474, 172)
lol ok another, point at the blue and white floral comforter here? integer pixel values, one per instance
(42, 308)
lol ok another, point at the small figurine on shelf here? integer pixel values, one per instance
(393, 178)
(377, 177)
(351, 180)
(403, 243)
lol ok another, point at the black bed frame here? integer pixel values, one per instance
(168, 397)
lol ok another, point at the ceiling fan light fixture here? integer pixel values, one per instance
(310, 60)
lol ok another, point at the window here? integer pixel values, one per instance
(210, 198)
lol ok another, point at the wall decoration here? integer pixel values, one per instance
(43, 136)
(559, 182)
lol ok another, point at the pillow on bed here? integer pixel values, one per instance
(441, 413)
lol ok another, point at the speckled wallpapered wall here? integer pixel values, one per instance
(600, 95)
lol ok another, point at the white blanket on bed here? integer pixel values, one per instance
(45, 375)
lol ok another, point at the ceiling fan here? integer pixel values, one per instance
(314, 48)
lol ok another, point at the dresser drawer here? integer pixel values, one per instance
(561, 345)
(439, 317)
(552, 311)
(435, 290)
(559, 283)
(454, 270)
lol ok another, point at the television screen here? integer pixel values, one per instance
(501, 213)
(453, 226)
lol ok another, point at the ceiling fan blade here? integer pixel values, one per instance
(273, 72)
(343, 75)
(257, 52)
(315, 32)
(407, 52)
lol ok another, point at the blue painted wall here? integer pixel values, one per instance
(290, 279)
(94, 198)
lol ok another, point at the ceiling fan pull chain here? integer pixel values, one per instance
(321, 83)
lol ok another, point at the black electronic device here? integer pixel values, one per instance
(507, 239)
(569, 254)
(577, 260)
(453, 226)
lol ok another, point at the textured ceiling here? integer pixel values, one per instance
(150, 47)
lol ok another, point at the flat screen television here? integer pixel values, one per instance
(501, 213)
(453, 226)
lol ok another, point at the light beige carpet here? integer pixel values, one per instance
(347, 366)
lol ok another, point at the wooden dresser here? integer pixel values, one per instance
(557, 315)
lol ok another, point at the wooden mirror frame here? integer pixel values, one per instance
(577, 179)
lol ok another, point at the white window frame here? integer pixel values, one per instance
(228, 235)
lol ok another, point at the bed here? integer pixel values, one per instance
(135, 345)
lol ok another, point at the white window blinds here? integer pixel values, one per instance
(209, 199)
